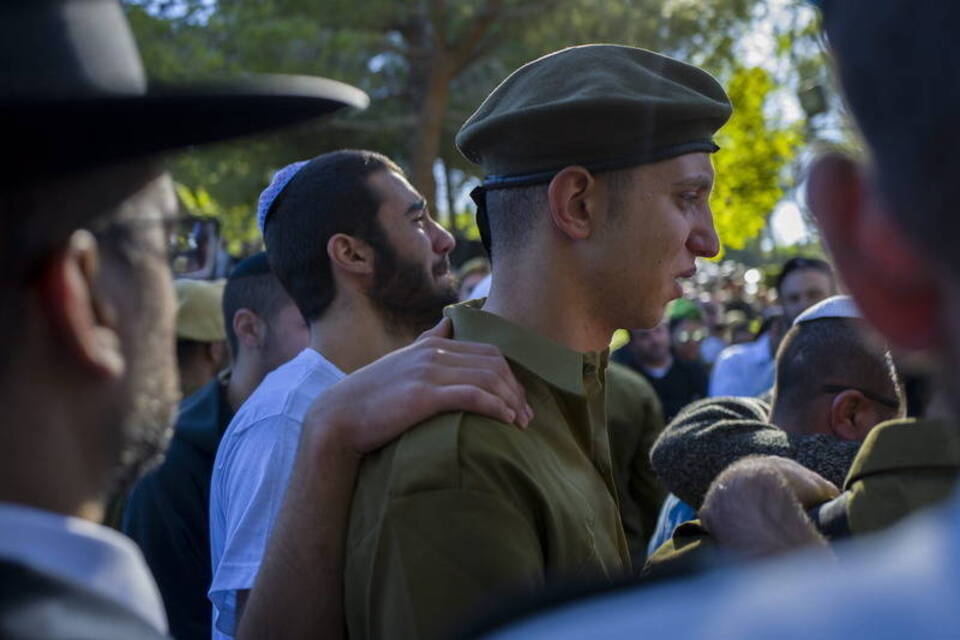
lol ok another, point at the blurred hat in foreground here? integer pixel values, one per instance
(74, 95)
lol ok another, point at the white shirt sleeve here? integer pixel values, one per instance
(249, 482)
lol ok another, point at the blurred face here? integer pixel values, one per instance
(413, 281)
(687, 336)
(659, 223)
(287, 335)
(651, 346)
(138, 279)
(802, 289)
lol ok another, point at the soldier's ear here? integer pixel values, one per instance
(573, 198)
(82, 318)
(896, 286)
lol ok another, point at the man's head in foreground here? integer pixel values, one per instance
(346, 228)
(92, 309)
(598, 172)
(89, 379)
(833, 377)
(890, 222)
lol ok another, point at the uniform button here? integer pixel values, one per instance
(589, 369)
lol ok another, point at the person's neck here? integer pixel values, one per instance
(245, 376)
(351, 334)
(549, 303)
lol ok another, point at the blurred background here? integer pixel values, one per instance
(427, 64)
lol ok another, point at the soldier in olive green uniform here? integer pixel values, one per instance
(634, 420)
(463, 511)
(902, 467)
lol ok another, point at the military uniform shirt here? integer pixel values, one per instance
(634, 420)
(463, 511)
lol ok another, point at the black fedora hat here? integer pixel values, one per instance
(74, 95)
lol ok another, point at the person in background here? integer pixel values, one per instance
(748, 369)
(367, 266)
(201, 338)
(677, 381)
(716, 339)
(167, 513)
(687, 334)
(835, 382)
(470, 275)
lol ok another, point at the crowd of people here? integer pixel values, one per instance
(370, 443)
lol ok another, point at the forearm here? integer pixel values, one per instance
(298, 591)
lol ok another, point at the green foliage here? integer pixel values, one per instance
(392, 49)
(752, 166)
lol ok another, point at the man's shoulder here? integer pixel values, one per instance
(35, 605)
(440, 452)
(286, 393)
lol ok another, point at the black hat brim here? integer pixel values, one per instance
(51, 136)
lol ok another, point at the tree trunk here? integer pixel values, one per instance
(425, 144)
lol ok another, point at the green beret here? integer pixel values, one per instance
(602, 106)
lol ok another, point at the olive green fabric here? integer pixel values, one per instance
(634, 421)
(463, 511)
(903, 466)
(602, 106)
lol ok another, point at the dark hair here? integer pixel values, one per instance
(251, 285)
(512, 212)
(798, 264)
(329, 195)
(898, 63)
(831, 351)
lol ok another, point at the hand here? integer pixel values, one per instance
(380, 401)
(756, 506)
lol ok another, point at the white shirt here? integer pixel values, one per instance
(743, 369)
(251, 473)
(86, 554)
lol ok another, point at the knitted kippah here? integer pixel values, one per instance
(280, 180)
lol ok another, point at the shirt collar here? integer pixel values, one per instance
(84, 553)
(557, 365)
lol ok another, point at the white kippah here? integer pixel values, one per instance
(833, 307)
(280, 180)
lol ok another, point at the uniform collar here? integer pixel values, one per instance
(906, 444)
(557, 365)
(89, 555)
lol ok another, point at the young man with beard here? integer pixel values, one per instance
(598, 177)
(355, 246)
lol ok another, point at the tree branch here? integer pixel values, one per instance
(463, 52)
